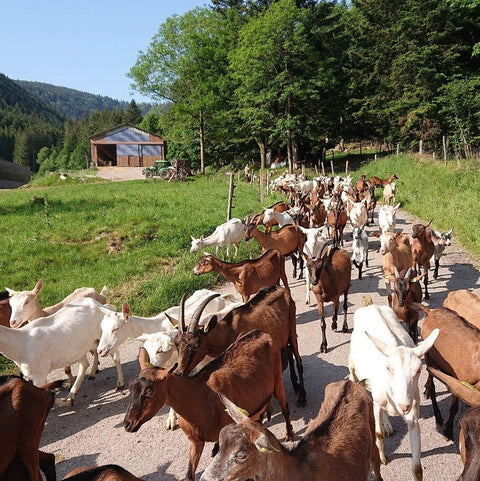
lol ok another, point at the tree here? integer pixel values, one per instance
(133, 114)
(186, 64)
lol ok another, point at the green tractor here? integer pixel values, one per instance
(160, 168)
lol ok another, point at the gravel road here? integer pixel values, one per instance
(91, 433)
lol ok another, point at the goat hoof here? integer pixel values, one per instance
(171, 424)
(345, 329)
(65, 402)
(120, 388)
(448, 433)
(91, 378)
(289, 436)
(301, 401)
(323, 348)
(334, 326)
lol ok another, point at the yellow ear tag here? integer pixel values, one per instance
(388, 277)
(149, 364)
(466, 384)
(171, 343)
(264, 450)
(414, 279)
(144, 333)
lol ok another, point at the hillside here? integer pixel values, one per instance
(73, 103)
(26, 123)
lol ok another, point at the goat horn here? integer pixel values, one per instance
(182, 311)
(429, 223)
(196, 315)
(461, 389)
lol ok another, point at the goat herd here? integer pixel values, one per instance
(253, 341)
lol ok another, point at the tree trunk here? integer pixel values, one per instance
(295, 151)
(261, 146)
(202, 144)
(289, 151)
(420, 147)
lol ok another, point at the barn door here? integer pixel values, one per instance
(131, 160)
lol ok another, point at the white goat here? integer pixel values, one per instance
(387, 218)
(312, 248)
(384, 358)
(55, 341)
(117, 327)
(389, 193)
(440, 240)
(224, 235)
(283, 218)
(358, 213)
(359, 248)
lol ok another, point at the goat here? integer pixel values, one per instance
(359, 249)
(25, 307)
(339, 444)
(362, 185)
(288, 240)
(422, 251)
(5, 309)
(389, 193)
(357, 213)
(377, 182)
(312, 247)
(330, 275)
(453, 355)
(55, 341)
(248, 276)
(440, 240)
(318, 214)
(466, 304)
(383, 356)
(337, 220)
(109, 472)
(224, 235)
(23, 411)
(249, 372)
(282, 218)
(387, 218)
(407, 296)
(277, 207)
(371, 201)
(396, 252)
(272, 311)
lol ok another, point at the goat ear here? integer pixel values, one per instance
(201, 238)
(212, 322)
(172, 320)
(397, 206)
(380, 345)
(38, 287)
(11, 292)
(236, 413)
(424, 346)
(263, 444)
(193, 238)
(126, 311)
(144, 359)
(450, 231)
(142, 337)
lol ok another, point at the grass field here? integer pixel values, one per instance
(63, 237)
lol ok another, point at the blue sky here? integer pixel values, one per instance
(86, 45)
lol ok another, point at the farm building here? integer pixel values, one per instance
(126, 146)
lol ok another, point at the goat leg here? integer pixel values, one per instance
(293, 374)
(323, 325)
(196, 449)
(47, 465)
(336, 306)
(449, 424)
(437, 265)
(345, 307)
(431, 393)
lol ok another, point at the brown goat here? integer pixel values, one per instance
(453, 354)
(371, 200)
(318, 214)
(249, 371)
(248, 276)
(469, 425)
(422, 251)
(377, 182)
(109, 472)
(466, 304)
(272, 311)
(362, 185)
(339, 444)
(337, 220)
(407, 295)
(23, 411)
(288, 240)
(5, 310)
(330, 275)
(278, 207)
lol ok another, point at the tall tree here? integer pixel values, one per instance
(133, 115)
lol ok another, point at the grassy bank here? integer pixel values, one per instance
(65, 234)
(430, 189)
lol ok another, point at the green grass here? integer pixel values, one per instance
(431, 190)
(64, 240)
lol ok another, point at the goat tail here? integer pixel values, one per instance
(56, 386)
(367, 300)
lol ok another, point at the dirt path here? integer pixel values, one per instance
(92, 432)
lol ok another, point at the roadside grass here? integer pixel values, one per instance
(65, 239)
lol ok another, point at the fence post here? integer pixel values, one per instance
(331, 166)
(268, 182)
(346, 167)
(323, 168)
(444, 139)
(261, 186)
(231, 186)
(375, 158)
(398, 148)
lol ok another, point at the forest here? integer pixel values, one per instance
(238, 79)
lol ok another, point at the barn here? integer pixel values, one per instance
(126, 146)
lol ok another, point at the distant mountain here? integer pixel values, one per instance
(73, 103)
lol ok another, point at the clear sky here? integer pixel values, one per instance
(86, 45)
